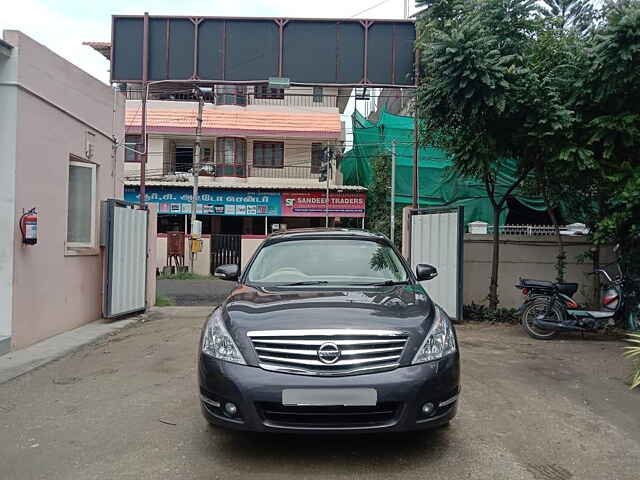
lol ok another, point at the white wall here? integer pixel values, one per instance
(8, 117)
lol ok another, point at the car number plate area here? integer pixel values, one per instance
(326, 397)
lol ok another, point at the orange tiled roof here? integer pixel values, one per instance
(237, 121)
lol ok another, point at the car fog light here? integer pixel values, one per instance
(231, 409)
(428, 408)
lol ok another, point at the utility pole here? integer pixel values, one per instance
(145, 94)
(393, 191)
(416, 128)
(326, 206)
(325, 173)
(406, 8)
(196, 170)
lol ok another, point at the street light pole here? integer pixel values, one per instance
(196, 170)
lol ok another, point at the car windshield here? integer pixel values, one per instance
(327, 261)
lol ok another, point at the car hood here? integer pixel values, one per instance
(400, 307)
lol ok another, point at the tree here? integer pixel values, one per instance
(483, 99)
(575, 14)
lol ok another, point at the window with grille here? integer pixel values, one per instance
(317, 150)
(231, 95)
(231, 157)
(268, 154)
(265, 92)
(133, 145)
(318, 94)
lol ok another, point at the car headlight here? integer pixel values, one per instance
(439, 342)
(217, 342)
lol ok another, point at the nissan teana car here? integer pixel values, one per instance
(328, 331)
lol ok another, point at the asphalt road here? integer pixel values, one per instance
(199, 292)
(127, 408)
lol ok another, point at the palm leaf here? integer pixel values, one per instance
(634, 353)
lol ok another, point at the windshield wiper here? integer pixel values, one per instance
(383, 284)
(309, 282)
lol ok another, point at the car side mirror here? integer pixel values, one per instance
(425, 272)
(230, 271)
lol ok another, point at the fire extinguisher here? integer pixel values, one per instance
(29, 227)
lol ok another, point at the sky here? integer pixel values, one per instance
(62, 25)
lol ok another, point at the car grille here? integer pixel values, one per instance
(312, 352)
(278, 415)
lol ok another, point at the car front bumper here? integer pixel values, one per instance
(257, 394)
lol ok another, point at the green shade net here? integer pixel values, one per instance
(439, 185)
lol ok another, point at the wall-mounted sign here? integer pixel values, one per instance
(313, 204)
(175, 201)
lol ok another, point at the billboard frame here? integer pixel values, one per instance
(280, 22)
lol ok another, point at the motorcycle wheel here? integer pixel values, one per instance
(534, 310)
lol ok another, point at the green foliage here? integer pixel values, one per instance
(491, 91)
(481, 313)
(184, 276)
(378, 206)
(573, 14)
(633, 353)
(165, 301)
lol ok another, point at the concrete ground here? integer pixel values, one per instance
(127, 407)
(206, 291)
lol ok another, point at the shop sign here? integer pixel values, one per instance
(177, 201)
(313, 204)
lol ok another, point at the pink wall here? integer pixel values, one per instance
(56, 289)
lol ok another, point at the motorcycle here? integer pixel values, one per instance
(549, 307)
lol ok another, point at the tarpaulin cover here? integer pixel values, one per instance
(439, 185)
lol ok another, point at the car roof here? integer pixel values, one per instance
(325, 233)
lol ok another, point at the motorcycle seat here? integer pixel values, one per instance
(536, 284)
(566, 288)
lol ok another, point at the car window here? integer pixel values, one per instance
(337, 261)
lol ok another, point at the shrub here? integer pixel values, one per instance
(633, 353)
(482, 313)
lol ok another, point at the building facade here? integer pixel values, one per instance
(261, 163)
(57, 131)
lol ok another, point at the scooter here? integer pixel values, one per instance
(549, 307)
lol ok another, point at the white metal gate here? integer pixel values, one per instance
(125, 240)
(437, 236)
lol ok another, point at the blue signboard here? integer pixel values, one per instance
(175, 201)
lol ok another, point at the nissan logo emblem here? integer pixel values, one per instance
(329, 353)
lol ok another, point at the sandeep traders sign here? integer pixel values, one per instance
(313, 204)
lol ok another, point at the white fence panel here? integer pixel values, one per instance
(437, 239)
(126, 260)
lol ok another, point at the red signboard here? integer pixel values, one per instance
(313, 204)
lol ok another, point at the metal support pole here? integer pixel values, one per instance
(393, 191)
(196, 170)
(143, 120)
(266, 225)
(416, 127)
(326, 205)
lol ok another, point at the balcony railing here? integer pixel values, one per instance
(289, 100)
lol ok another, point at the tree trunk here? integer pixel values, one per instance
(561, 253)
(495, 262)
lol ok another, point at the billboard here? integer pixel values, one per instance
(175, 201)
(349, 52)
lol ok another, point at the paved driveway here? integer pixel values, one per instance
(200, 292)
(127, 408)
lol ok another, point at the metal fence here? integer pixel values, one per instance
(528, 230)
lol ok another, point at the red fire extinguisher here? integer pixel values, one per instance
(29, 227)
